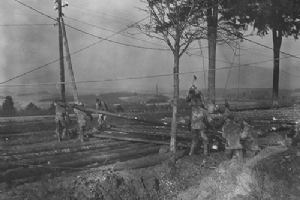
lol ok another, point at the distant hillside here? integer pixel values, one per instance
(41, 93)
(109, 98)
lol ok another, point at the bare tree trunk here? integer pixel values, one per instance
(212, 22)
(277, 40)
(175, 102)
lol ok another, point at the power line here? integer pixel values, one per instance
(257, 43)
(73, 53)
(121, 19)
(129, 78)
(116, 42)
(110, 30)
(101, 39)
(25, 25)
(96, 36)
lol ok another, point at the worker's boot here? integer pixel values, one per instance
(58, 135)
(64, 134)
(205, 142)
(81, 139)
(193, 146)
(205, 148)
(238, 155)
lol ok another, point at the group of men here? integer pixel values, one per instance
(238, 134)
(84, 118)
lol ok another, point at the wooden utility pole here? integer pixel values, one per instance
(212, 23)
(61, 53)
(68, 57)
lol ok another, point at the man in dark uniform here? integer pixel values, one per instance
(60, 120)
(198, 118)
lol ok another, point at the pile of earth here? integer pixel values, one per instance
(156, 182)
(272, 174)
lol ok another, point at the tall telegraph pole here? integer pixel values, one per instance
(68, 59)
(61, 52)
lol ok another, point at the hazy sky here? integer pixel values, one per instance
(23, 48)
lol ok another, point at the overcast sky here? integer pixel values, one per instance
(23, 48)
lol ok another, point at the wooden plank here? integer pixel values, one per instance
(107, 157)
(69, 157)
(56, 152)
(143, 162)
(117, 136)
(47, 146)
(21, 173)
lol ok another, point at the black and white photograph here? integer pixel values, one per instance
(149, 100)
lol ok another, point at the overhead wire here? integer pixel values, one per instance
(110, 30)
(93, 35)
(25, 25)
(257, 43)
(126, 78)
(92, 13)
(102, 39)
(72, 53)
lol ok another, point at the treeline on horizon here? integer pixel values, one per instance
(8, 109)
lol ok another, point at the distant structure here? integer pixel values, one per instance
(156, 89)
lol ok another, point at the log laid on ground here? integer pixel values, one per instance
(265, 153)
(26, 134)
(62, 157)
(134, 139)
(57, 152)
(155, 132)
(91, 110)
(106, 158)
(47, 146)
(143, 162)
(80, 164)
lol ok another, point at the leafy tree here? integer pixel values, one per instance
(8, 108)
(177, 23)
(32, 109)
(280, 17)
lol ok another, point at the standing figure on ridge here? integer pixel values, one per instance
(198, 119)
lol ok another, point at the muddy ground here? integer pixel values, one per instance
(272, 174)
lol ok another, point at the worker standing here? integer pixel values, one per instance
(101, 105)
(231, 131)
(60, 120)
(198, 118)
(82, 119)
